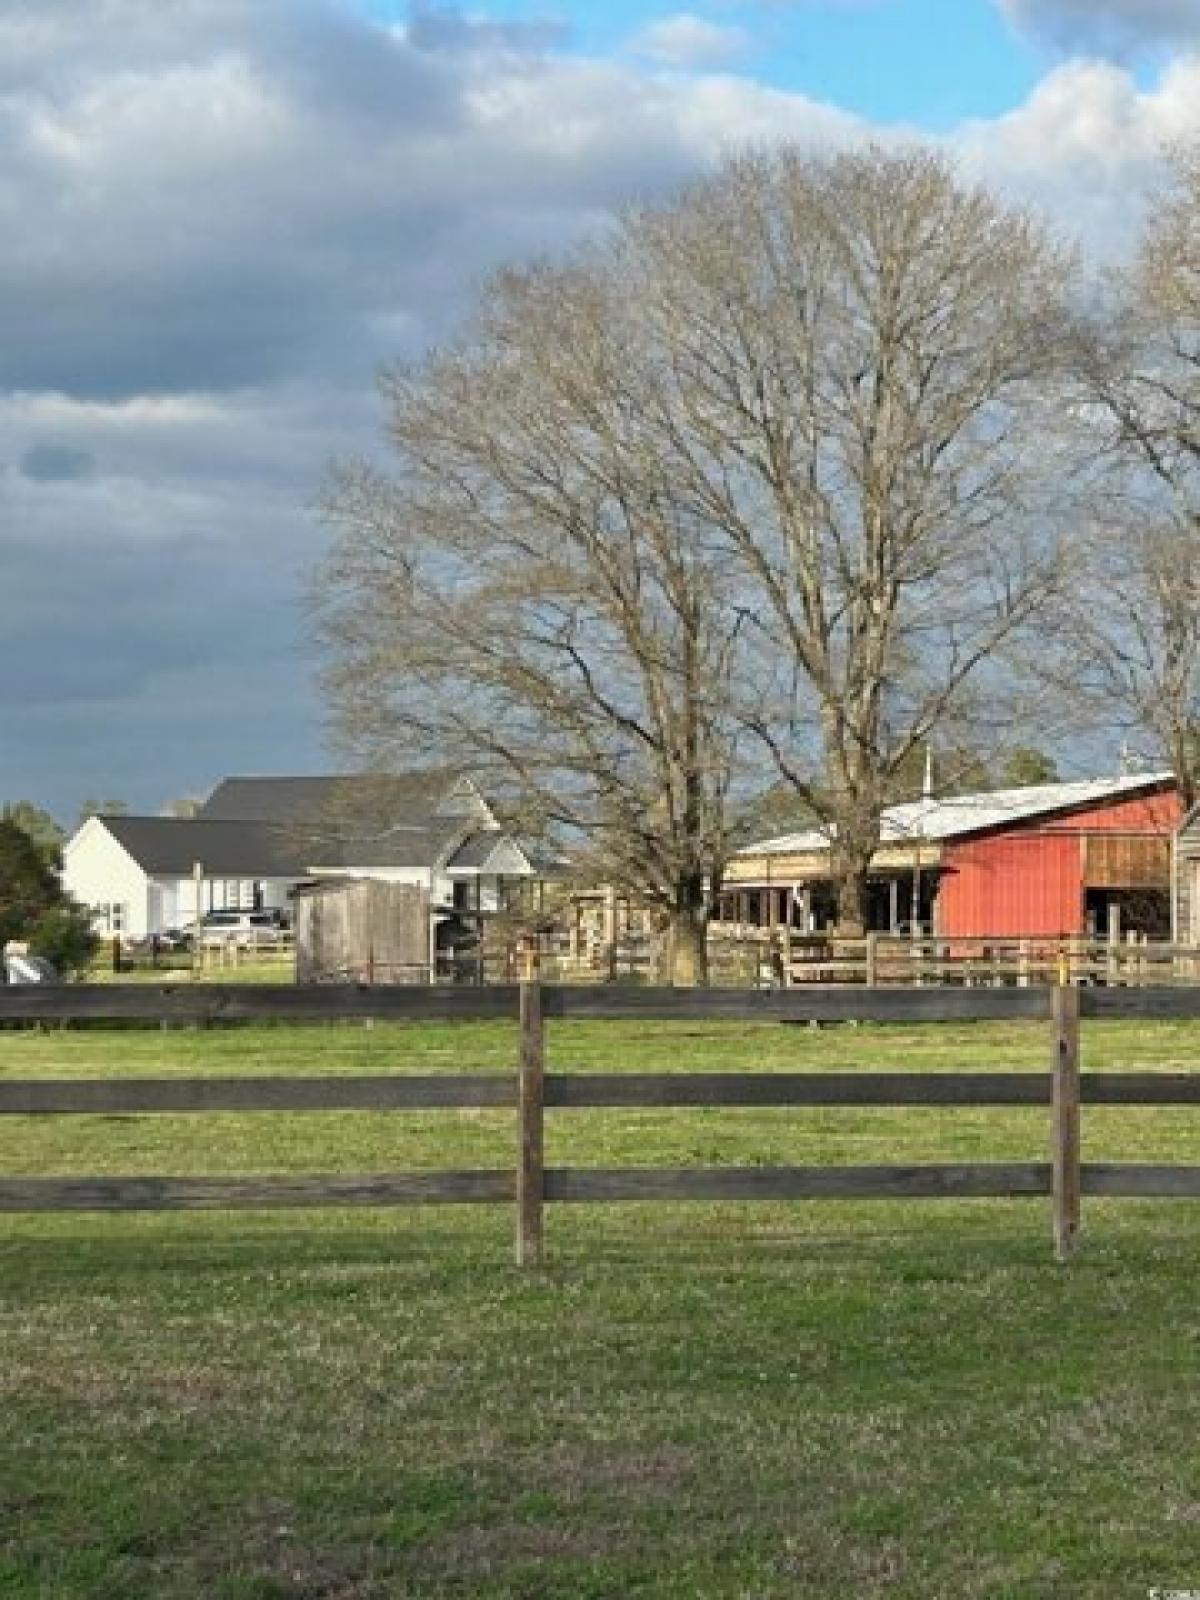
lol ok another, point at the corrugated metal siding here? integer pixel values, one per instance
(1011, 884)
(1151, 813)
(1030, 880)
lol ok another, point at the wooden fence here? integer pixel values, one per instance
(784, 957)
(531, 1091)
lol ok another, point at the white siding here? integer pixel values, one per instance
(99, 872)
(176, 898)
(505, 861)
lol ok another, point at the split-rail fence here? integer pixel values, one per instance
(530, 1091)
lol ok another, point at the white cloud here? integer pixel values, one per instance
(687, 41)
(1087, 146)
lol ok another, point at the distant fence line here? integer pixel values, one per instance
(529, 1092)
(743, 955)
(790, 958)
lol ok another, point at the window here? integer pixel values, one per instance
(109, 916)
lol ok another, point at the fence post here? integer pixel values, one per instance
(530, 1105)
(872, 960)
(1065, 1120)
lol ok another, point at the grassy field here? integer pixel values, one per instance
(908, 1400)
(278, 967)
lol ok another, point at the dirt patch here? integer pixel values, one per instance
(576, 1471)
(271, 1549)
(477, 1552)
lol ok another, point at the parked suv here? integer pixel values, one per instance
(245, 928)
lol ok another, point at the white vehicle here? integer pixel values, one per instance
(248, 930)
(18, 968)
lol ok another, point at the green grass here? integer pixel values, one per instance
(907, 1400)
(277, 968)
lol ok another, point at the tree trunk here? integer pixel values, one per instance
(850, 867)
(687, 946)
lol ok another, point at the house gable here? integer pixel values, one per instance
(101, 873)
(489, 855)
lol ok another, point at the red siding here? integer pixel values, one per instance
(1029, 879)
(1010, 884)
(1148, 813)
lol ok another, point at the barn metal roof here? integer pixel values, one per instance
(961, 814)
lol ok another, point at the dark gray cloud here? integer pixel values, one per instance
(57, 463)
(1119, 28)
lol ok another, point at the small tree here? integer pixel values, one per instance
(94, 806)
(33, 907)
(40, 827)
(64, 935)
(1024, 765)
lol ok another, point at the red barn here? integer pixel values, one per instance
(1048, 860)
(1058, 871)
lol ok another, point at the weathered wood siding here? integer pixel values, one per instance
(365, 930)
(1126, 861)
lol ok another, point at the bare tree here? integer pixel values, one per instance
(1136, 629)
(528, 599)
(861, 348)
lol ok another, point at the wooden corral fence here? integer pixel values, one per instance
(531, 1091)
(783, 958)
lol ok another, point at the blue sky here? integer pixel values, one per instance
(929, 64)
(222, 217)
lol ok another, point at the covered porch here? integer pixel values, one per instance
(798, 893)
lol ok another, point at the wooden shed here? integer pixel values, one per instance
(363, 930)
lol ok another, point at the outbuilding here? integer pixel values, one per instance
(1049, 860)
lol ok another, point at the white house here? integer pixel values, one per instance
(138, 874)
(255, 839)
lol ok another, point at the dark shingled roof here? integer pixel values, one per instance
(170, 847)
(292, 827)
(396, 847)
(339, 803)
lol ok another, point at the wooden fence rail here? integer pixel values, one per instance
(186, 1004)
(530, 1091)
